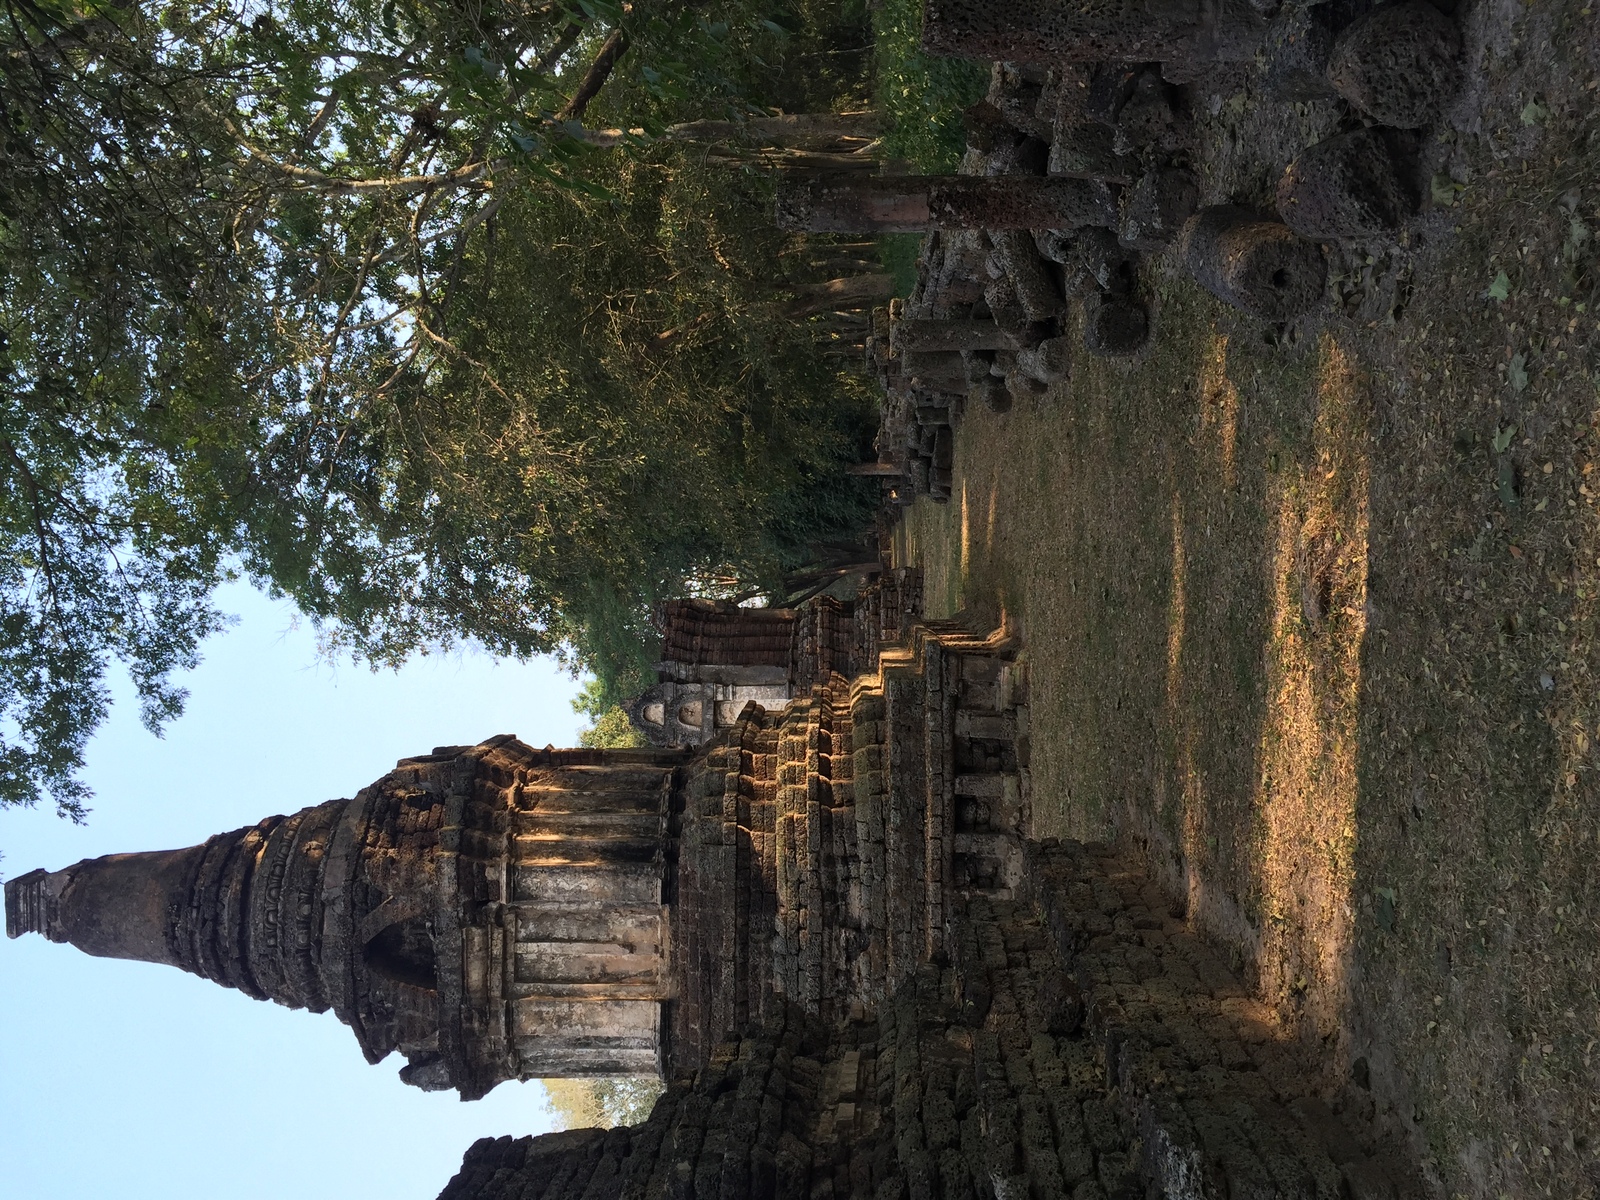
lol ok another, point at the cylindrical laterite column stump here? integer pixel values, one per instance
(1256, 265)
(1057, 31)
(851, 203)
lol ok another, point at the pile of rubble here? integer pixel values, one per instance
(1082, 163)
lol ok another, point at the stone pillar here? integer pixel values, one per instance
(492, 912)
(1050, 32)
(913, 203)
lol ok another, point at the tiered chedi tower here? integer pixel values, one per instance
(500, 912)
(492, 912)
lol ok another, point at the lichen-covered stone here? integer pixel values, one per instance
(1299, 45)
(1115, 326)
(1399, 63)
(1256, 265)
(1155, 209)
(1351, 185)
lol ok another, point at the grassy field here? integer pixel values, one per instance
(1313, 617)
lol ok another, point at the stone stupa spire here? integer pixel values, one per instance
(492, 912)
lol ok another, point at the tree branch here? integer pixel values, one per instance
(605, 61)
(567, 38)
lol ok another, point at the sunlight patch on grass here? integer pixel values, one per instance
(1219, 407)
(1305, 795)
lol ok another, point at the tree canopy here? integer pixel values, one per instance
(342, 297)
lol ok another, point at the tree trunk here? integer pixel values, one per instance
(792, 131)
(847, 294)
(912, 203)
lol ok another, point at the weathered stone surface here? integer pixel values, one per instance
(1083, 150)
(1299, 46)
(1146, 121)
(993, 394)
(1035, 289)
(1115, 326)
(1154, 210)
(852, 202)
(428, 912)
(1050, 32)
(1255, 265)
(1049, 362)
(1348, 186)
(1399, 63)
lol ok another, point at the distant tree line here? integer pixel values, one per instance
(447, 321)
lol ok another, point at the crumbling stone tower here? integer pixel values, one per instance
(501, 912)
(826, 928)
(492, 912)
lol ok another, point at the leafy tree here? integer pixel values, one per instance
(260, 266)
(609, 727)
(603, 1102)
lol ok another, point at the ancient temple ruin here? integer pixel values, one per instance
(827, 929)
(717, 656)
(815, 906)
(1083, 169)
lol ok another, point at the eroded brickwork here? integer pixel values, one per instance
(1076, 1043)
(827, 929)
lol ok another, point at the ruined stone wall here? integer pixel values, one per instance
(1079, 1044)
(717, 657)
(695, 632)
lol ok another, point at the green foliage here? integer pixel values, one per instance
(603, 1102)
(651, 424)
(336, 296)
(612, 731)
(609, 727)
(923, 95)
(898, 253)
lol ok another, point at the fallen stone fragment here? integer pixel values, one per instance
(1154, 210)
(992, 393)
(1049, 362)
(1051, 32)
(1348, 186)
(1104, 258)
(1000, 297)
(1298, 48)
(1115, 326)
(1084, 151)
(1256, 265)
(1398, 64)
(1035, 289)
(1054, 244)
(1030, 156)
(1111, 85)
(1023, 386)
(1147, 119)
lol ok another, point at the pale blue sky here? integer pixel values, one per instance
(134, 1081)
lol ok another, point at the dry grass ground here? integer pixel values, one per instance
(1315, 619)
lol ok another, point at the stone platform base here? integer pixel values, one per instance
(1075, 1041)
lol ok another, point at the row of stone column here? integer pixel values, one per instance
(1077, 172)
